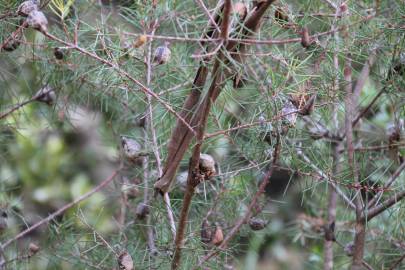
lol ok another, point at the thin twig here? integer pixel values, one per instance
(381, 207)
(122, 73)
(325, 176)
(387, 184)
(397, 262)
(247, 215)
(61, 210)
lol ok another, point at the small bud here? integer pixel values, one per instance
(3, 221)
(46, 95)
(305, 39)
(309, 106)
(125, 261)
(303, 103)
(58, 53)
(206, 233)
(162, 54)
(140, 41)
(37, 20)
(129, 189)
(281, 15)
(343, 8)
(27, 7)
(207, 165)
(349, 249)
(140, 121)
(239, 80)
(240, 9)
(12, 44)
(289, 113)
(257, 224)
(33, 249)
(229, 267)
(329, 230)
(142, 210)
(218, 235)
(132, 149)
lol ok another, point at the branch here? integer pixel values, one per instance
(63, 209)
(181, 138)
(400, 259)
(387, 184)
(324, 176)
(225, 20)
(364, 74)
(122, 73)
(376, 210)
(328, 243)
(248, 213)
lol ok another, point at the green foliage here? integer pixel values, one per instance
(51, 155)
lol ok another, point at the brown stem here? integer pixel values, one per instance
(193, 172)
(226, 19)
(123, 73)
(364, 74)
(328, 243)
(181, 138)
(238, 224)
(378, 209)
(360, 231)
(387, 184)
(397, 263)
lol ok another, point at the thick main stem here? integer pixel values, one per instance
(328, 243)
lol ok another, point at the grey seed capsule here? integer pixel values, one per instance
(142, 210)
(207, 165)
(12, 44)
(162, 54)
(46, 95)
(37, 20)
(125, 261)
(257, 224)
(27, 7)
(132, 149)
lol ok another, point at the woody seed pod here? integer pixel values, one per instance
(58, 53)
(12, 44)
(305, 39)
(27, 7)
(206, 233)
(140, 41)
(257, 224)
(240, 9)
(46, 95)
(132, 149)
(33, 249)
(162, 54)
(125, 261)
(37, 20)
(343, 9)
(3, 221)
(288, 112)
(142, 210)
(218, 235)
(329, 230)
(303, 103)
(207, 165)
(280, 15)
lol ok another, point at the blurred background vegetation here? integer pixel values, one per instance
(53, 153)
